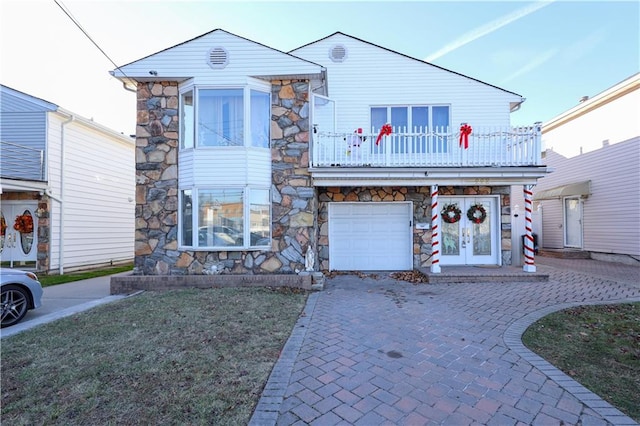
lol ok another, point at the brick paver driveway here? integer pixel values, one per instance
(379, 351)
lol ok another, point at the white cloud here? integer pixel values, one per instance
(533, 64)
(488, 29)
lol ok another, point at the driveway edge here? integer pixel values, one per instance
(513, 339)
(268, 408)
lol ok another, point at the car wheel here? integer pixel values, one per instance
(15, 304)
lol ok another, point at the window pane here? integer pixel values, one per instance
(420, 124)
(419, 118)
(186, 215)
(260, 118)
(399, 122)
(441, 117)
(440, 124)
(399, 118)
(378, 118)
(187, 120)
(220, 220)
(220, 117)
(260, 217)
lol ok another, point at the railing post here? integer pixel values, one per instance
(537, 142)
(529, 249)
(435, 231)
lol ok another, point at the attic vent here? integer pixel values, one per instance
(338, 53)
(218, 58)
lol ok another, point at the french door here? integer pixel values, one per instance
(18, 230)
(470, 241)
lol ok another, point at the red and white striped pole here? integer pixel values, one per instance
(435, 231)
(529, 250)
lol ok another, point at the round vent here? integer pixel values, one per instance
(338, 53)
(218, 58)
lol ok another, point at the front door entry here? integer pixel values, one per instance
(573, 222)
(18, 230)
(470, 236)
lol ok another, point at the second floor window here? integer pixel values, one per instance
(229, 117)
(432, 119)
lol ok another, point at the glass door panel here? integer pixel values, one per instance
(573, 222)
(19, 230)
(472, 238)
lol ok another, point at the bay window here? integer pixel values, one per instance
(224, 167)
(225, 117)
(225, 218)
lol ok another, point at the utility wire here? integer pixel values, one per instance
(75, 21)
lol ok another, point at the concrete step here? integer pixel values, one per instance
(565, 253)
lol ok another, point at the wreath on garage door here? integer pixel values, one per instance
(451, 213)
(477, 213)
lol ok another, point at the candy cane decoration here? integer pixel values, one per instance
(435, 231)
(529, 264)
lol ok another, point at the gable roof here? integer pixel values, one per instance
(406, 56)
(137, 70)
(23, 101)
(14, 101)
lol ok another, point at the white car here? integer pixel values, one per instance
(21, 291)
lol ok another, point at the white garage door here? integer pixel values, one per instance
(370, 236)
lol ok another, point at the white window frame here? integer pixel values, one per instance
(409, 113)
(246, 219)
(250, 84)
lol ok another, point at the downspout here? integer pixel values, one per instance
(62, 205)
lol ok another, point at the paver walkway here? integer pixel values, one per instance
(379, 351)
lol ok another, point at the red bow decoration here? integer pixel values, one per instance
(384, 131)
(465, 131)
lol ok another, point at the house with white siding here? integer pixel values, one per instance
(67, 188)
(338, 155)
(591, 201)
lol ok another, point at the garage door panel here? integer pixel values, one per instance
(370, 236)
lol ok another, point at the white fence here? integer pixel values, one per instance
(517, 146)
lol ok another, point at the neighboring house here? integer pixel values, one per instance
(67, 188)
(591, 201)
(330, 157)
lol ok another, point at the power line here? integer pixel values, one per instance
(75, 21)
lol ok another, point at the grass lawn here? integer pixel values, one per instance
(599, 346)
(49, 280)
(178, 357)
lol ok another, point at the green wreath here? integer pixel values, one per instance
(477, 213)
(451, 213)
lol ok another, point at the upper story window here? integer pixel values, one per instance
(431, 119)
(225, 117)
(220, 117)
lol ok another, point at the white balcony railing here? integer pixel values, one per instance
(487, 147)
(21, 162)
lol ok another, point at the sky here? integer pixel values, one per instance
(550, 52)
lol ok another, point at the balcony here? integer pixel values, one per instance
(21, 162)
(423, 148)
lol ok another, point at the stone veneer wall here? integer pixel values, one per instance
(420, 196)
(293, 197)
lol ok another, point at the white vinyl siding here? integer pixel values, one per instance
(245, 58)
(239, 166)
(611, 213)
(372, 76)
(99, 195)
